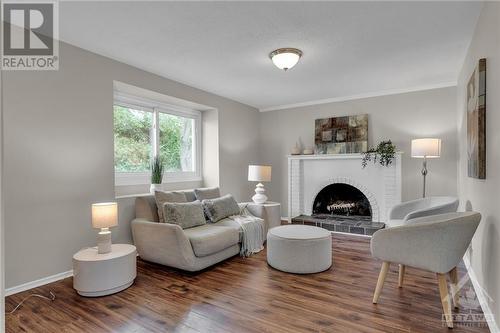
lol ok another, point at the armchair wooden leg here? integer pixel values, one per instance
(454, 287)
(402, 269)
(445, 299)
(380, 281)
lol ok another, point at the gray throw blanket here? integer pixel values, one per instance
(252, 236)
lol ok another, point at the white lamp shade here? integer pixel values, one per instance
(104, 215)
(259, 173)
(428, 148)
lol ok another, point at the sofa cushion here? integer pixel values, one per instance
(209, 239)
(207, 193)
(145, 208)
(219, 208)
(190, 196)
(185, 214)
(163, 197)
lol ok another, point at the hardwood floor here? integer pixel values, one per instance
(246, 295)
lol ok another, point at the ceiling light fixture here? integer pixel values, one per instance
(285, 58)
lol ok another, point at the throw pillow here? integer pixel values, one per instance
(163, 197)
(186, 214)
(219, 208)
(207, 193)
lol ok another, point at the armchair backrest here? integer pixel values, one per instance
(424, 207)
(436, 243)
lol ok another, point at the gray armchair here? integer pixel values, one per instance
(435, 243)
(404, 212)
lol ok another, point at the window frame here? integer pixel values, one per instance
(156, 107)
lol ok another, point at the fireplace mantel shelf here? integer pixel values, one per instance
(329, 156)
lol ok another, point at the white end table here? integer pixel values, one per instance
(269, 211)
(103, 274)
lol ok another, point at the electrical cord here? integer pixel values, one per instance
(51, 298)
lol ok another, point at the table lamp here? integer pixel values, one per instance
(104, 216)
(259, 173)
(425, 148)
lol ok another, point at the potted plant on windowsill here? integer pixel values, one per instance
(156, 174)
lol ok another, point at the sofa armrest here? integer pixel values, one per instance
(162, 243)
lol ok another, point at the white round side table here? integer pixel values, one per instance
(103, 274)
(269, 211)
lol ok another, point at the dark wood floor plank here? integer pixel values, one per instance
(246, 295)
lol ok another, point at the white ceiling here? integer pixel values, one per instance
(350, 48)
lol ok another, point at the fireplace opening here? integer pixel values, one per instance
(342, 200)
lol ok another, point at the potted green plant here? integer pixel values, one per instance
(156, 174)
(384, 153)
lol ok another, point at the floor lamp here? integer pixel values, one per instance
(425, 148)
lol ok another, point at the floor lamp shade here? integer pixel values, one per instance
(104, 216)
(428, 148)
(425, 148)
(259, 173)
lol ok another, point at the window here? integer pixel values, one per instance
(144, 129)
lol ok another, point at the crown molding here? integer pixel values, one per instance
(359, 96)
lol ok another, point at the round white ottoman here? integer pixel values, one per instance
(299, 249)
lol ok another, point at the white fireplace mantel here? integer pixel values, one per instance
(309, 174)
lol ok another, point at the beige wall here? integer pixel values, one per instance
(475, 194)
(58, 152)
(398, 117)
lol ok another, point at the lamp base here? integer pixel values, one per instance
(104, 241)
(259, 197)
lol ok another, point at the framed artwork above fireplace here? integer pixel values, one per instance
(341, 135)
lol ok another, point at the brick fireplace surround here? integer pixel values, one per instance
(309, 174)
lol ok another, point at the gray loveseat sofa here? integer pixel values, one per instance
(190, 249)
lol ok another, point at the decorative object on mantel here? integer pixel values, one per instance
(476, 122)
(341, 135)
(156, 174)
(308, 151)
(296, 149)
(259, 173)
(384, 153)
(425, 148)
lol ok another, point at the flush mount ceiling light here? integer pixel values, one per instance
(285, 58)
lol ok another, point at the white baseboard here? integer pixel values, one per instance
(483, 299)
(38, 283)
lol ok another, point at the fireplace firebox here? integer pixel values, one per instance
(342, 200)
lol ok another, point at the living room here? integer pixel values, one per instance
(250, 166)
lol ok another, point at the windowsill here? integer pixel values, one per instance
(131, 195)
(142, 188)
(141, 179)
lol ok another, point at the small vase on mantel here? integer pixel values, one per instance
(296, 150)
(154, 187)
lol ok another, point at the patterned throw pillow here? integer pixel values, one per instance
(219, 208)
(163, 197)
(186, 214)
(207, 193)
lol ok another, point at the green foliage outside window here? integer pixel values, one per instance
(132, 139)
(133, 131)
(176, 142)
